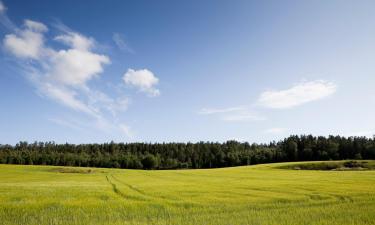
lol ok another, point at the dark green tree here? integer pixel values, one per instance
(149, 162)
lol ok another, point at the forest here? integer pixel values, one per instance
(188, 155)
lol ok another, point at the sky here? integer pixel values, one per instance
(185, 71)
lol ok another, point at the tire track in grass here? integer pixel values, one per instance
(315, 195)
(159, 200)
(115, 189)
(144, 194)
(280, 195)
(343, 198)
(119, 193)
(130, 186)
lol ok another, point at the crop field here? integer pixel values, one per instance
(260, 194)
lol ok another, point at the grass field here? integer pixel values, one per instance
(261, 194)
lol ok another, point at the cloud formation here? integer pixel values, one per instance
(66, 96)
(36, 26)
(299, 94)
(144, 80)
(63, 75)
(233, 114)
(121, 43)
(76, 67)
(27, 43)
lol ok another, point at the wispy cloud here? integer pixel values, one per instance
(207, 111)
(232, 114)
(56, 73)
(63, 75)
(4, 19)
(299, 94)
(66, 97)
(121, 43)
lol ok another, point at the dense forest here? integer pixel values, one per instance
(188, 155)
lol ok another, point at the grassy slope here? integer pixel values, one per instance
(261, 194)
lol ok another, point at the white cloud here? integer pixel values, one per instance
(35, 26)
(275, 130)
(65, 97)
(121, 43)
(27, 43)
(76, 41)
(63, 75)
(297, 95)
(76, 67)
(142, 79)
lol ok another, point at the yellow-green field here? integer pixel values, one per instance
(262, 194)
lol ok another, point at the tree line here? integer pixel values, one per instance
(188, 155)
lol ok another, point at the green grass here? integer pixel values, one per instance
(262, 194)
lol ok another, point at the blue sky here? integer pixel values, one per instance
(158, 71)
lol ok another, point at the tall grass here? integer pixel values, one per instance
(262, 194)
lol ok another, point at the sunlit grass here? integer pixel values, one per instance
(262, 194)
